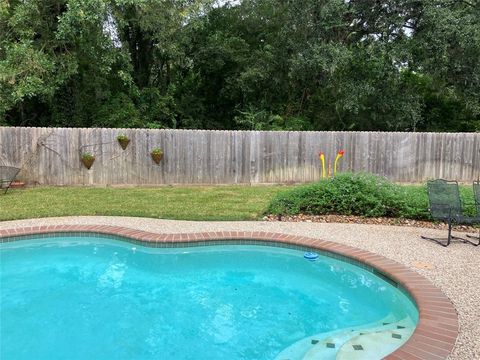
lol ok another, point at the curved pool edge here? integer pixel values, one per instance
(437, 328)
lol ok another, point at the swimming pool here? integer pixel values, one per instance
(95, 297)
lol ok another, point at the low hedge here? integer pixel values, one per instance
(358, 194)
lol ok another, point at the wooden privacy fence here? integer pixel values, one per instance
(52, 155)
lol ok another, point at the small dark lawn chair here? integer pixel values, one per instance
(446, 205)
(476, 194)
(7, 176)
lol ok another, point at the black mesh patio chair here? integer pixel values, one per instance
(476, 194)
(445, 205)
(7, 176)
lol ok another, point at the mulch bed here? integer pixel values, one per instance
(347, 219)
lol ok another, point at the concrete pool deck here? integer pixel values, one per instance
(454, 270)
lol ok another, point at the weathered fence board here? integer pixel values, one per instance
(52, 155)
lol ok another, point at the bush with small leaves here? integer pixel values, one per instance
(346, 194)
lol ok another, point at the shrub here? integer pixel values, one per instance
(362, 195)
(346, 194)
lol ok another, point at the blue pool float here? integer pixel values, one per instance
(310, 256)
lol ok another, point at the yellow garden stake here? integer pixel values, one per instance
(321, 155)
(339, 155)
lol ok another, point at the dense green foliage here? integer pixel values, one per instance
(359, 194)
(406, 65)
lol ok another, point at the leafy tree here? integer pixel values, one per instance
(404, 65)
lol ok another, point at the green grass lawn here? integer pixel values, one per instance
(169, 202)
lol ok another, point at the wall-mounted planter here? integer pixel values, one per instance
(157, 155)
(123, 140)
(87, 160)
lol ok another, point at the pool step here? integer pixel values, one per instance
(357, 345)
(317, 347)
(372, 346)
(328, 346)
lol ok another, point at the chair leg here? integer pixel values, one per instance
(449, 232)
(9, 184)
(466, 241)
(474, 237)
(442, 241)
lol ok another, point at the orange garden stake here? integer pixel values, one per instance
(339, 155)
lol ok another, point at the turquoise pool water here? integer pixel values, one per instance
(98, 298)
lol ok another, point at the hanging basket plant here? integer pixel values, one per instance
(87, 160)
(123, 140)
(157, 155)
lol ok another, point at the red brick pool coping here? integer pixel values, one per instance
(437, 328)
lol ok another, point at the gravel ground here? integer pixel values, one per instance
(351, 219)
(455, 270)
